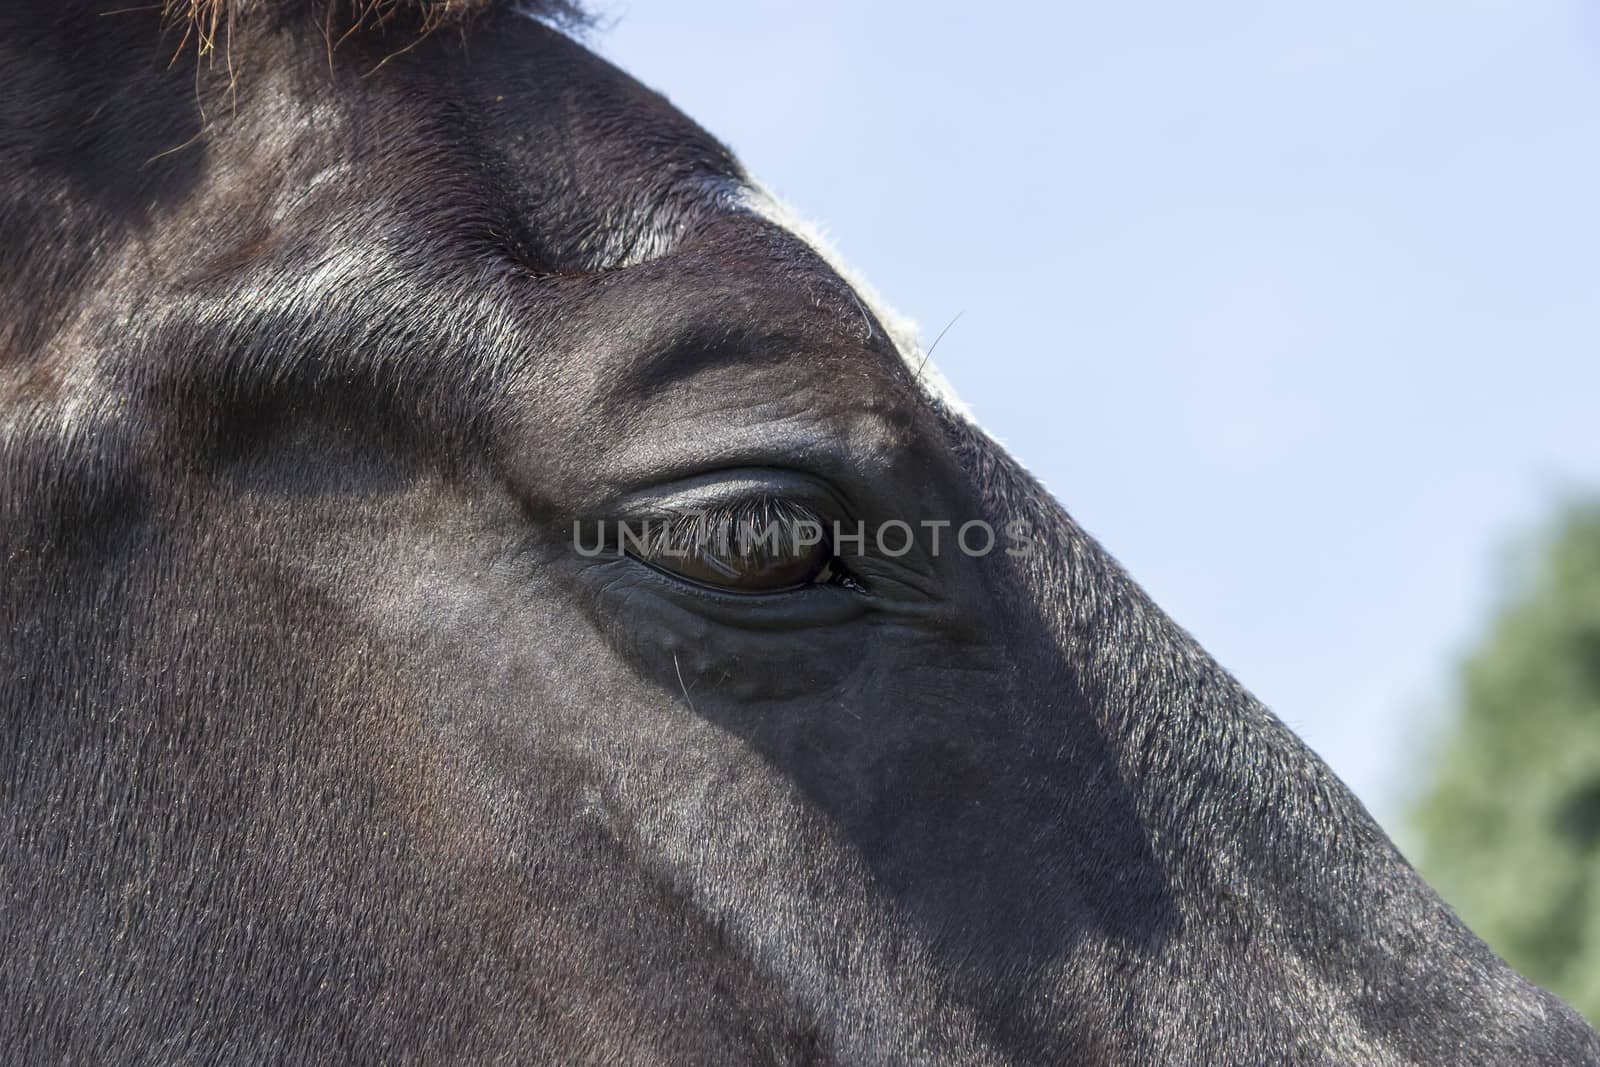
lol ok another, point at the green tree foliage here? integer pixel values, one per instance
(1509, 821)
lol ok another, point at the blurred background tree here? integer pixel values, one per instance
(1509, 816)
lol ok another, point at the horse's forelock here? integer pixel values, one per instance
(208, 22)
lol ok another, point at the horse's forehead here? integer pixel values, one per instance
(667, 174)
(516, 131)
(610, 175)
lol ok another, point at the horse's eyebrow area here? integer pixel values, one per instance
(743, 295)
(704, 349)
(786, 347)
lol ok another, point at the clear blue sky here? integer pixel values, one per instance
(1295, 307)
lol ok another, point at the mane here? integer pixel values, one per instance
(208, 23)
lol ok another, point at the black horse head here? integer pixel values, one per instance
(481, 586)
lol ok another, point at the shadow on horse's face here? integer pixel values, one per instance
(398, 678)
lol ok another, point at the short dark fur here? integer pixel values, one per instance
(321, 744)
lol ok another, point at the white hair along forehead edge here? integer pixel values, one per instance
(756, 198)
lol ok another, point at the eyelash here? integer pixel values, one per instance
(720, 524)
(737, 545)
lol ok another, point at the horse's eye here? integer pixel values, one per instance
(768, 547)
(760, 572)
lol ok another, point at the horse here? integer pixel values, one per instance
(484, 584)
